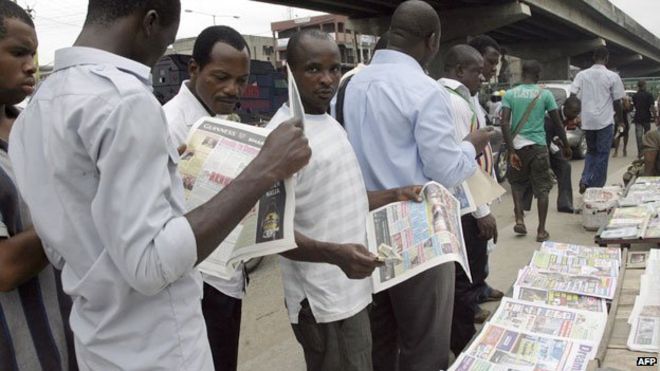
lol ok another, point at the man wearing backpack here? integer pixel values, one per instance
(523, 117)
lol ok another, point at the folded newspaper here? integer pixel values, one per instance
(598, 286)
(645, 316)
(217, 152)
(411, 237)
(561, 299)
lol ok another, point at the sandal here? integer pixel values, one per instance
(520, 228)
(543, 237)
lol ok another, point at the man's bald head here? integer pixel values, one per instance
(415, 30)
(295, 50)
(463, 55)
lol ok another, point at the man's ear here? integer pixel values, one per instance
(193, 67)
(459, 70)
(150, 21)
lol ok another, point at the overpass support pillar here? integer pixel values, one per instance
(556, 69)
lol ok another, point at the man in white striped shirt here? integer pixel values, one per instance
(463, 75)
(328, 307)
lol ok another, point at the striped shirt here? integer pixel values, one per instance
(331, 206)
(34, 334)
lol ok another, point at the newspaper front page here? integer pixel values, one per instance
(601, 287)
(582, 251)
(502, 348)
(415, 236)
(645, 316)
(562, 299)
(575, 265)
(544, 319)
(217, 152)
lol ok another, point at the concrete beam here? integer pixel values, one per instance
(474, 21)
(556, 69)
(639, 71)
(623, 60)
(552, 49)
(456, 23)
(596, 23)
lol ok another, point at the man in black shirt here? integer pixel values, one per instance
(644, 113)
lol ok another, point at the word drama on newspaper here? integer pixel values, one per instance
(217, 152)
(411, 237)
(502, 348)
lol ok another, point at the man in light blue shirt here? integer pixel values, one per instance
(97, 168)
(400, 124)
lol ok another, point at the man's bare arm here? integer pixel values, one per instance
(618, 110)
(21, 258)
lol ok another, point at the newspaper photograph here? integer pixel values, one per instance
(583, 251)
(217, 152)
(501, 348)
(465, 199)
(556, 321)
(602, 287)
(575, 265)
(561, 299)
(411, 237)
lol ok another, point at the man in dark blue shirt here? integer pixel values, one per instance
(644, 113)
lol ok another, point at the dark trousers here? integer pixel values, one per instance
(467, 296)
(599, 143)
(222, 315)
(340, 345)
(411, 322)
(640, 130)
(562, 169)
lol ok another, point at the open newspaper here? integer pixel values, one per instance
(217, 152)
(544, 319)
(412, 237)
(504, 348)
(601, 287)
(479, 189)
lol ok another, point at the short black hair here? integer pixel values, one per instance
(216, 34)
(483, 42)
(573, 101)
(293, 49)
(601, 53)
(462, 54)
(532, 68)
(107, 11)
(11, 10)
(641, 84)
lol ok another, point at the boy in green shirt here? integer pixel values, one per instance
(523, 126)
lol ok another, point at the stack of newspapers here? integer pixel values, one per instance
(645, 316)
(557, 316)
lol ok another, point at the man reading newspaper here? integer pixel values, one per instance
(327, 308)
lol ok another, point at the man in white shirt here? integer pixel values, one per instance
(219, 71)
(600, 91)
(97, 168)
(400, 124)
(463, 73)
(327, 309)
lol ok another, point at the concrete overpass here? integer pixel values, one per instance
(559, 33)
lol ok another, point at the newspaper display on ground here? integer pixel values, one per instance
(575, 265)
(629, 222)
(561, 299)
(501, 348)
(645, 316)
(217, 152)
(601, 287)
(412, 237)
(550, 320)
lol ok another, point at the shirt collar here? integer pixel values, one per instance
(598, 65)
(456, 86)
(78, 56)
(385, 56)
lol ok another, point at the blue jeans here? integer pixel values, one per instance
(599, 143)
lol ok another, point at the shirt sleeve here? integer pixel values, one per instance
(576, 86)
(481, 212)
(147, 238)
(617, 89)
(444, 159)
(507, 100)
